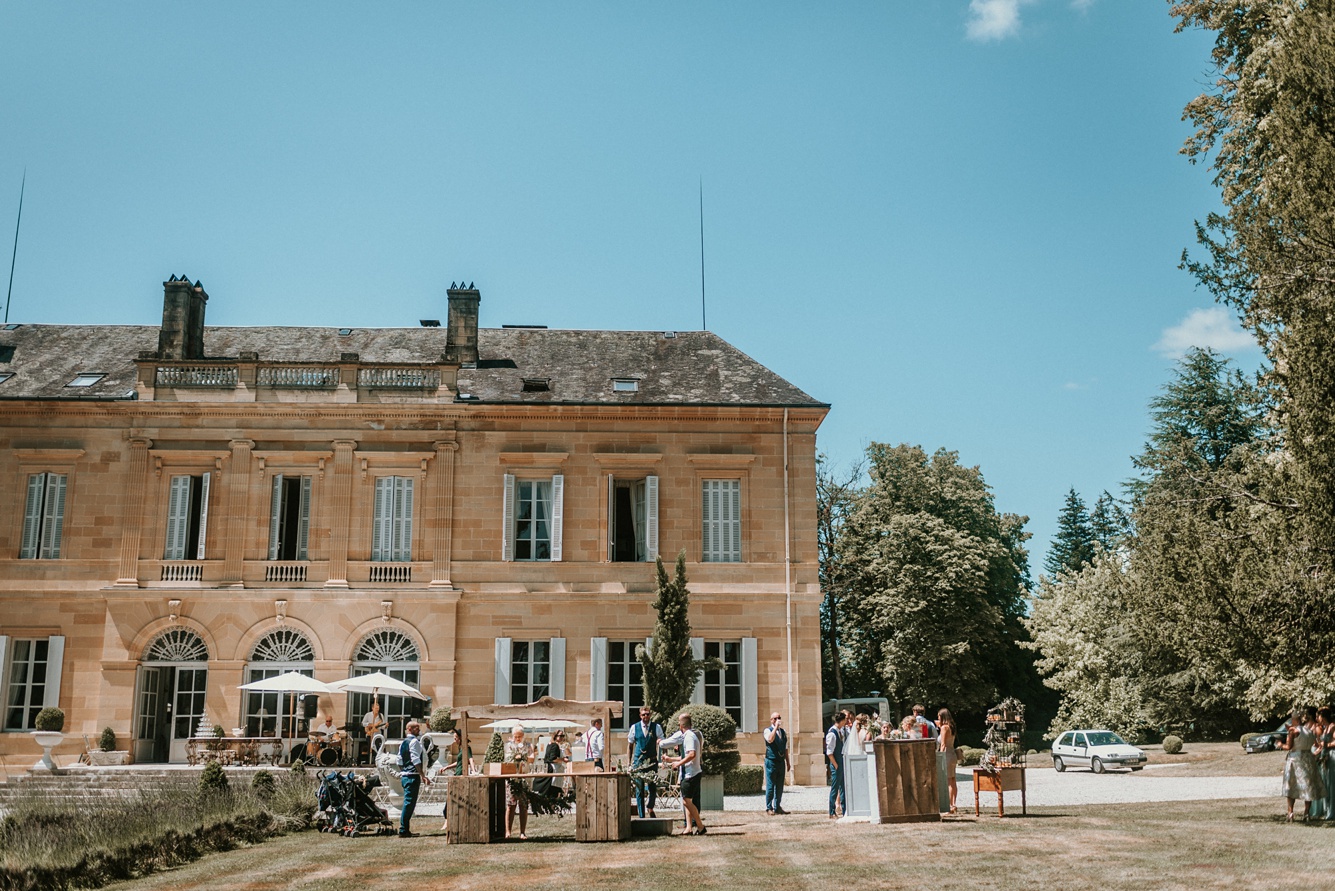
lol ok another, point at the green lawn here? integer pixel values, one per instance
(1222, 844)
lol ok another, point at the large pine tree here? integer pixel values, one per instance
(1073, 546)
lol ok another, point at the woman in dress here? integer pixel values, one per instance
(553, 760)
(517, 751)
(1325, 808)
(945, 742)
(1302, 778)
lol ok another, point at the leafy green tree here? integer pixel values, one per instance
(936, 583)
(1073, 546)
(835, 497)
(671, 669)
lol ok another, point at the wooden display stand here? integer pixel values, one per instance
(1000, 780)
(476, 809)
(906, 780)
(602, 807)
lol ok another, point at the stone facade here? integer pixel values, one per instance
(349, 488)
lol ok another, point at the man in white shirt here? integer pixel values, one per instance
(327, 728)
(834, 757)
(920, 718)
(412, 774)
(688, 769)
(593, 742)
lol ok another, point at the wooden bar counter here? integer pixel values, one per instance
(906, 780)
(476, 806)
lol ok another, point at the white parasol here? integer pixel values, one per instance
(292, 682)
(374, 683)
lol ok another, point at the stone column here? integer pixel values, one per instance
(238, 493)
(442, 524)
(132, 522)
(340, 512)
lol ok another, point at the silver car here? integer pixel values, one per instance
(1096, 749)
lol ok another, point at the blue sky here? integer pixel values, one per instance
(958, 221)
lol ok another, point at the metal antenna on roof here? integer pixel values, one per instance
(15, 254)
(703, 324)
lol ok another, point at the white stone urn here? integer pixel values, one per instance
(442, 740)
(48, 740)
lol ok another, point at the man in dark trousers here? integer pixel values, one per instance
(777, 764)
(643, 746)
(834, 757)
(412, 773)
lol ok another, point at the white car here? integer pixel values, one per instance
(1096, 749)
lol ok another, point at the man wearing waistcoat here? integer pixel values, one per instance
(834, 757)
(643, 744)
(777, 764)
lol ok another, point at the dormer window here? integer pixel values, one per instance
(86, 380)
(625, 385)
(5, 375)
(537, 384)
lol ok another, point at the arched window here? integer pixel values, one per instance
(397, 655)
(278, 652)
(169, 700)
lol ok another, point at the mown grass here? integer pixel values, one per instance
(51, 842)
(1186, 845)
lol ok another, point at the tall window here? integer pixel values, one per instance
(721, 521)
(392, 534)
(289, 517)
(43, 516)
(396, 655)
(632, 520)
(187, 517)
(723, 687)
(532, 518)
(530, 670)
(280, 651)
(27, 679)
(625, 680)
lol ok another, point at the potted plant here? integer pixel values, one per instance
(107, 756)
(441, 734)
(48, 726)
(719, 731)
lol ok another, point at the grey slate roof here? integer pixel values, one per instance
(690, 368)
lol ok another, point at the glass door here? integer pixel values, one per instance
(188, 709)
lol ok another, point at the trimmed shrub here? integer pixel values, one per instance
(1172, 744)
(972, 756)
(745, 779)
(440, 721)
(495, 750)
(298, 768)
(50, 719)
(213, 780)
(263, 785)
(107, 741)
(720, 734)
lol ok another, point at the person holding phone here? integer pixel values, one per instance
(777, 764)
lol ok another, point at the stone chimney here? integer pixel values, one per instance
(182, 334)
(461, 340)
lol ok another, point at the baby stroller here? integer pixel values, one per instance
(350, 810)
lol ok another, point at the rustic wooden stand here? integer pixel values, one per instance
(906, 780)
(476, 807)
(1000, 780)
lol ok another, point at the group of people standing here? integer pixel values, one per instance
(851, 732)
(1309, 769)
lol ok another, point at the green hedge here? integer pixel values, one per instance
(1172, 744)
(746, 779)
(970, 756)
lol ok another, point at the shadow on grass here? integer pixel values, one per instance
(1270, 819)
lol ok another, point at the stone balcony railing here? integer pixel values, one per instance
(247, 379)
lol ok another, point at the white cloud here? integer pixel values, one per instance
(994, 19)
(1214, 328)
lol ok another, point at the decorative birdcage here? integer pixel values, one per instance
(1004, 736)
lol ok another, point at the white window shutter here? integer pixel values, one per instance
(4, 668)
(502, 691)
(403, 519)
(32, 517)
(203, 513)
(709, 521)
(750, 686)
(556, 671)
(508, 519)
(732, 521)
(597, 669)
(178, 517)
(558, 513)
(611, 517)
(54, 515)
(55, 659)
(698, 652)
(650, 518)
(304, 523)
(383, 520)
(275, 513)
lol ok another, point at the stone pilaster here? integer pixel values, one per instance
(340, 512)
(132, 523)
(238, 491)
(442, 523)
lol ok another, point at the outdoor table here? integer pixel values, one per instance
(475, 806)
(906, 780)
(1000, 780)
(227, 749)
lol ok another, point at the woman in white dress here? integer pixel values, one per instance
(519, 752)
(1302, 777)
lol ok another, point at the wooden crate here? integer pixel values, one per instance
(602, 807)
(476, 810)
(906, 780)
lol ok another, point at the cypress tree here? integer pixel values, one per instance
(671, 669)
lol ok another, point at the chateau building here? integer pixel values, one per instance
(475, 511)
